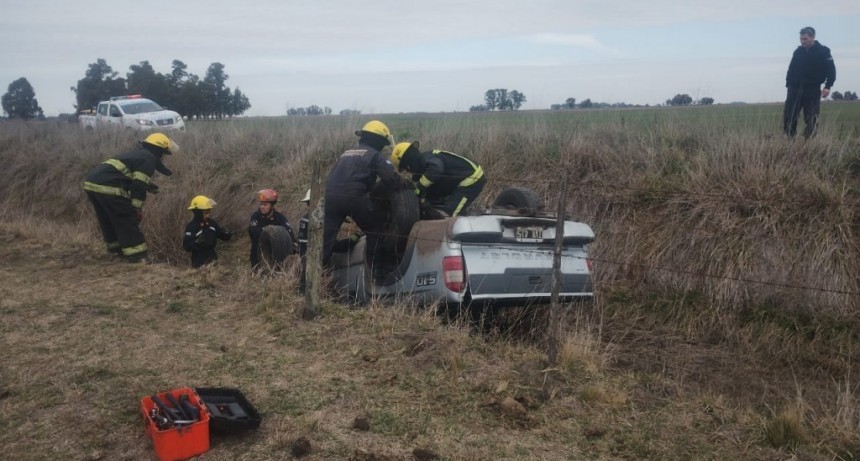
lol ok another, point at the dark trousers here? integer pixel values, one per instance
(457, 203)
(360, 208)
(806, 98)
(119, 226)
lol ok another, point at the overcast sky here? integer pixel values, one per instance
(408, 56)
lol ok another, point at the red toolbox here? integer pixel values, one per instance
(181, 442)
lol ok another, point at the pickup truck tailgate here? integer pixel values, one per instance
(511, 257)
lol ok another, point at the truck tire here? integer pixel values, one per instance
(275, 245)
(519, 198)
(404, 210)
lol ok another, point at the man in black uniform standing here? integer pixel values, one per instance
(117, 189)
(349, 182)
(811, 65)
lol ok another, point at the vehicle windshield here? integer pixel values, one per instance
(139, 107)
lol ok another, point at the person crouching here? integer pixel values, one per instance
(202, 233)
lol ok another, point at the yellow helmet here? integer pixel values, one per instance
(378, 128)
(201, 202)
(399, 151)
(161, 141)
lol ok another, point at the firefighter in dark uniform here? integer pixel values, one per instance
(348, 183)
(448, 181)
(117, 189)
(811, 65)
(266, 215)
(203, 232)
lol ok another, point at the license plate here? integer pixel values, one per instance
(529, 234)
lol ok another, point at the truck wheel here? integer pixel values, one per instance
(519, 198)
(275, 246)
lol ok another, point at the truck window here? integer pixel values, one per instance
(103, 109)
(141, 107)
(114, 111)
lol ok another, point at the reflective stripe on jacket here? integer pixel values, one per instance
(127, 175)
(446, 171)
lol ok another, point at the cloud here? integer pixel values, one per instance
(574, 40)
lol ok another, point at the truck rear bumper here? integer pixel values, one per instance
(527, 283)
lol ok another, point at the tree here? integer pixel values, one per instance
(491, 99)
(517, 100)
(570, 103)
(99, 83)
(586, 104)
(349, 112)
(501, 99)
(20, 101)
(238, 103)
(680, 100)
(706, 101)
(849, 96)
(479, 108)
(837, 96)
(189, 100)
(178, 74)
(216, 95)
(145, 81)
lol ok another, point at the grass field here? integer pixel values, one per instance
(725, 323)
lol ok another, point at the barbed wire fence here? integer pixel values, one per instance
(604, 258)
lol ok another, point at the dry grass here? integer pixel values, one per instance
(683, 354)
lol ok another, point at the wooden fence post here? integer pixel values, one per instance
(313, 271)
(556, 315)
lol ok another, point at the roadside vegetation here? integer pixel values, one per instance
(726, 322)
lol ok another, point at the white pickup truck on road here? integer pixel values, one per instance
(133, 113)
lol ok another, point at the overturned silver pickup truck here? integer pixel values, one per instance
(503, 256)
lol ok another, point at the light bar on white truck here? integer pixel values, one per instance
(129, 96)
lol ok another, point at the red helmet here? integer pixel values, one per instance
(268, 195)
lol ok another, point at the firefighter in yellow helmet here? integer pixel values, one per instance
(447, 181)
(349, 181)
(203, 232)
(117, 189)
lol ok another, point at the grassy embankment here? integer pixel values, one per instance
(725, 325)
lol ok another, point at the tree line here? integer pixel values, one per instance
(500, 99)
(191, 96)
(179, 90)
(570, 103)
(848, 96)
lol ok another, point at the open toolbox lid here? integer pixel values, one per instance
(229, 411)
